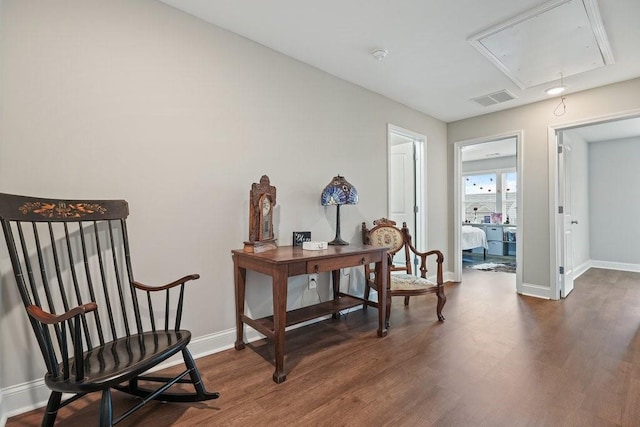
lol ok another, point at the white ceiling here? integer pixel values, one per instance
(431, 65)
(489, 150)
(609, 131)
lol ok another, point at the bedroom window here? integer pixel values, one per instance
(509, 197)
(490, 193)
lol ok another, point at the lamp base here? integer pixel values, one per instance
(338, 242)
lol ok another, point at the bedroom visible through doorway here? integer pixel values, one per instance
(487, 198)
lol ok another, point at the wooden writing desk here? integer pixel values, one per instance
(287, 261)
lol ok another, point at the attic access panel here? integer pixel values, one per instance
(560, 36)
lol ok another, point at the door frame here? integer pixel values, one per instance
(457, 202)
(420, 180)
(565, 253)
(556, 243)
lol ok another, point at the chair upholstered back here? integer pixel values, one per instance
(386, 234)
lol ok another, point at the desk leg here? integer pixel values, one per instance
(384, 305)
(335, 278)
(279, 320)
(240, 279)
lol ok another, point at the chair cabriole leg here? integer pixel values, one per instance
(442, 299)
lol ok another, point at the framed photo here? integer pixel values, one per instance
(301, 236)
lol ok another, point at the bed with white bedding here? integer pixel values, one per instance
(473, 237)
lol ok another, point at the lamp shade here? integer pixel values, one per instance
(339, 192)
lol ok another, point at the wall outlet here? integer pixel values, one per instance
(313, 281)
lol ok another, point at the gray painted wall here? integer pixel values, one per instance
(136, 100)
(615, 200)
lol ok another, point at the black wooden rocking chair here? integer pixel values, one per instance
(73, 270)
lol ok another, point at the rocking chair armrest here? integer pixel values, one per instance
(50, 319)
(178, 282)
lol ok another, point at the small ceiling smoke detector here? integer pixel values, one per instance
(379, 54)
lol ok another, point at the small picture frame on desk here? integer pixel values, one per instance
(301, 236)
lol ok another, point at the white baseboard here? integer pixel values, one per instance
(3, 416)
(581, 269)
(448, 276)
(537, 291)
(622, 266)
(24, 397)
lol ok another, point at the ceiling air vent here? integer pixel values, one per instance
(494, 98)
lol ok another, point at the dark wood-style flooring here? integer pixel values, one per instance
(499, 359)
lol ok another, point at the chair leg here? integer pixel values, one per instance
(51, 412)
(196, 379)
(406, 300)
(442, 299)
(106, 409)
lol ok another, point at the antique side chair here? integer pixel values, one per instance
(97, 328)
(385, 233)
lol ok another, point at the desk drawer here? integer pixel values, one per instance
(328, 264)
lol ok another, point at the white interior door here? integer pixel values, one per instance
(566, 273)
(402, 187)
(406, 182)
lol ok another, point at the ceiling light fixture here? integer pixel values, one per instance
(379, 54)
(557, 90)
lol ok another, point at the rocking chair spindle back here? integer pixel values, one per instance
(72, 264)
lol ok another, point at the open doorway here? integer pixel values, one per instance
(593, 167)
(406, 181)
(487, 195)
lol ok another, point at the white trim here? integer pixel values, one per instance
(536, 291)
(24, 397)
(420, 234)
(581, 269)
(457, 210)
(449, 276)
(554, 242)
(3, 416)
(554, 225)
(593, 15)
(595, 19)
(620, 266)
